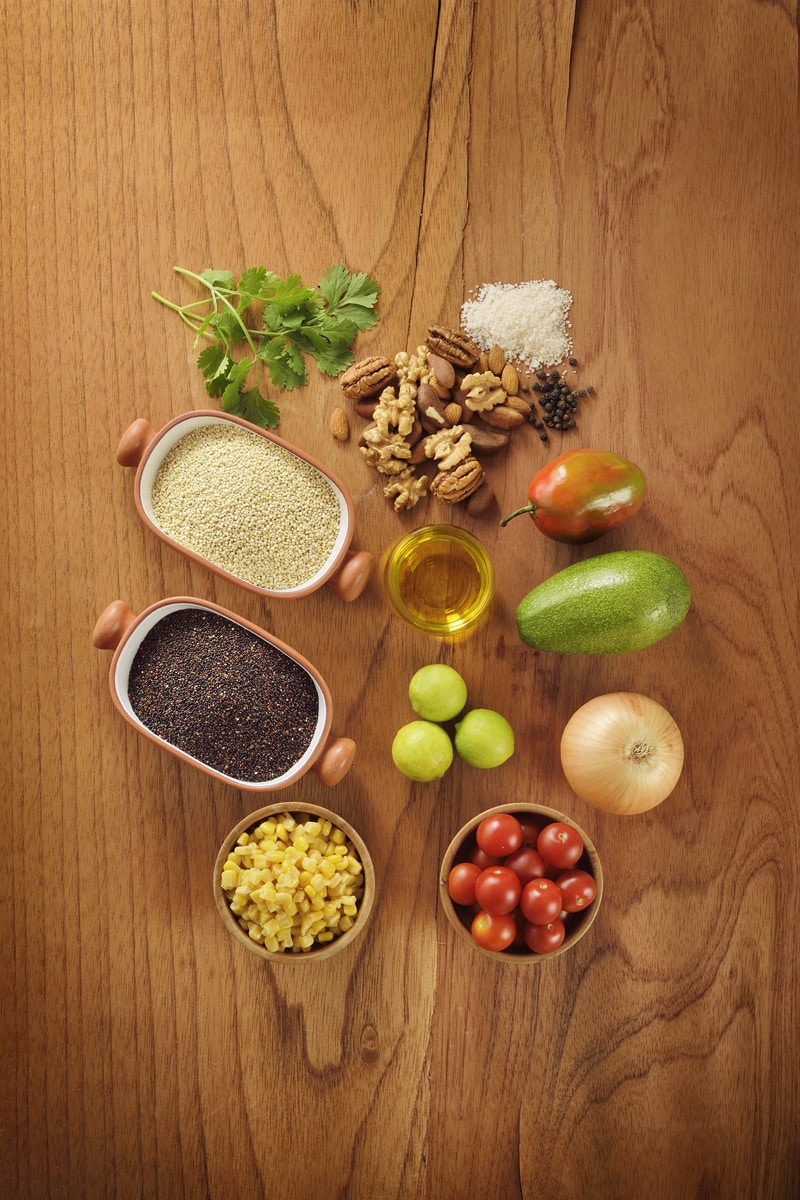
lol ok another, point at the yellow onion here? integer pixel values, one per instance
(622, 752)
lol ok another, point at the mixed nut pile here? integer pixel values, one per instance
(448, 403)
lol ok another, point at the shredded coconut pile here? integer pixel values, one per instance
(528, 320)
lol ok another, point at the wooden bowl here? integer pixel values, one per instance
(461, 918)
(287, 956)
(345, 572)
(119, 629)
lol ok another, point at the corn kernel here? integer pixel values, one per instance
(293, 885)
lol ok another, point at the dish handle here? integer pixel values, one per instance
(335, 760)
(112, 625)
(353, 575)
(134, 441)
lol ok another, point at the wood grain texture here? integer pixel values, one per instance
(646, 157)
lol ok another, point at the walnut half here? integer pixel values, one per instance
(457, 484)
(406, 489)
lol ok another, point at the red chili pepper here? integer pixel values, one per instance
(583, 494)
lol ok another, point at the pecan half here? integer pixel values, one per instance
(453, 345)
(368, 377)
(457, 484)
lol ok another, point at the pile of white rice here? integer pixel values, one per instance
(529, 321)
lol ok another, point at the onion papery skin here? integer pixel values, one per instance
(622, 753)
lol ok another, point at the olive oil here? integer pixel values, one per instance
(439, 579)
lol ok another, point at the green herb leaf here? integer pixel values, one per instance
(257, 409)
(341, 290)
(251, 286)
(295, 320)
(218, 279)
(284, 363)
(215, 364)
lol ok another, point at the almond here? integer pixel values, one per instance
(519, 405)
(510, 379)
(452, 413)
(339, 425)
(496, 360)
(441, 391)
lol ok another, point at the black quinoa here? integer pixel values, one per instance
(222, 694)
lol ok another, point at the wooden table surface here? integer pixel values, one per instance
(644, 156)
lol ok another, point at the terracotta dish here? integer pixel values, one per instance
(346, 572)
(119, 629)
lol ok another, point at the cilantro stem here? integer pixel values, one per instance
(190, 319)
(177, 308)
(216, 292)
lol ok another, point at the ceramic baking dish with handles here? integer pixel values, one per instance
(121, 630)
(142, 447)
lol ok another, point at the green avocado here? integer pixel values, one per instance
(614, 602)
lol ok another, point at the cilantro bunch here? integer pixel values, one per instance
(278, 321)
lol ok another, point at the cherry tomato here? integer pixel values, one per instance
(494, 931)
(526, 863)
(500, 834)
(541, 901)
(532, 826)
(497, 890)
(560, 845)
(544, 938)
(483, 860)
(578, 890)
(461, 882)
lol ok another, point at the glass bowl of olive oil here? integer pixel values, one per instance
(439, 579)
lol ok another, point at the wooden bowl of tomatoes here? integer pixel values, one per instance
(521, 882)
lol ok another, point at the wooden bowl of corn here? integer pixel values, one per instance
(294, 884)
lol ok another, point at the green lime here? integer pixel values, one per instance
(484, 738)
(422, 751)
(437, 692)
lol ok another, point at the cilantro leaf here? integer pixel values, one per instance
(341, 289)
(250, 286)
(284, 362)
(295, 320)
(257, 409)
(289, 294)
(226, 326)
(215, 363)
(218, 279)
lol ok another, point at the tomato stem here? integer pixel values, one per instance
(528, 508)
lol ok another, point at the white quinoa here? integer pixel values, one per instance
(528, 320)
(247, 505)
